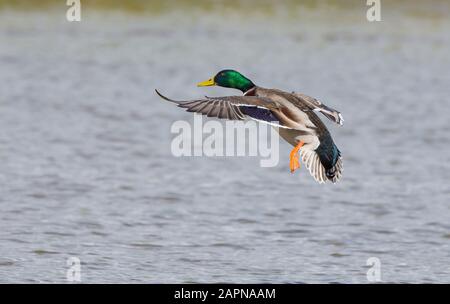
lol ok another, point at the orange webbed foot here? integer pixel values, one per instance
(294, 162)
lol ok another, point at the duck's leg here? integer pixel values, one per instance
(294, 163)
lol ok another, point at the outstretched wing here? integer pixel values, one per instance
(316, 105)
(231, 107)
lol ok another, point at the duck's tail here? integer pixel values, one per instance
(324, 163)
(334, 173)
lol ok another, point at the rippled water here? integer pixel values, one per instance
(87, 169)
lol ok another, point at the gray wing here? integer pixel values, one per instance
(230, 107)
(316, 105)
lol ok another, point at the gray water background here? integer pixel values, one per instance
(87, 171)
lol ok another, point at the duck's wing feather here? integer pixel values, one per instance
(318, 106)
(232, 107)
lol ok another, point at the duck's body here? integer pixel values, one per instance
(293, 114)
(297, 113)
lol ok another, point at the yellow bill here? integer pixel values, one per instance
(207, 83)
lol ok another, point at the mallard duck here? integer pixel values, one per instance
(294, 115)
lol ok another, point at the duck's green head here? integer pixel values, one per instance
(229, 79)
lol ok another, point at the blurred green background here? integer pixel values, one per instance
(433, 8)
